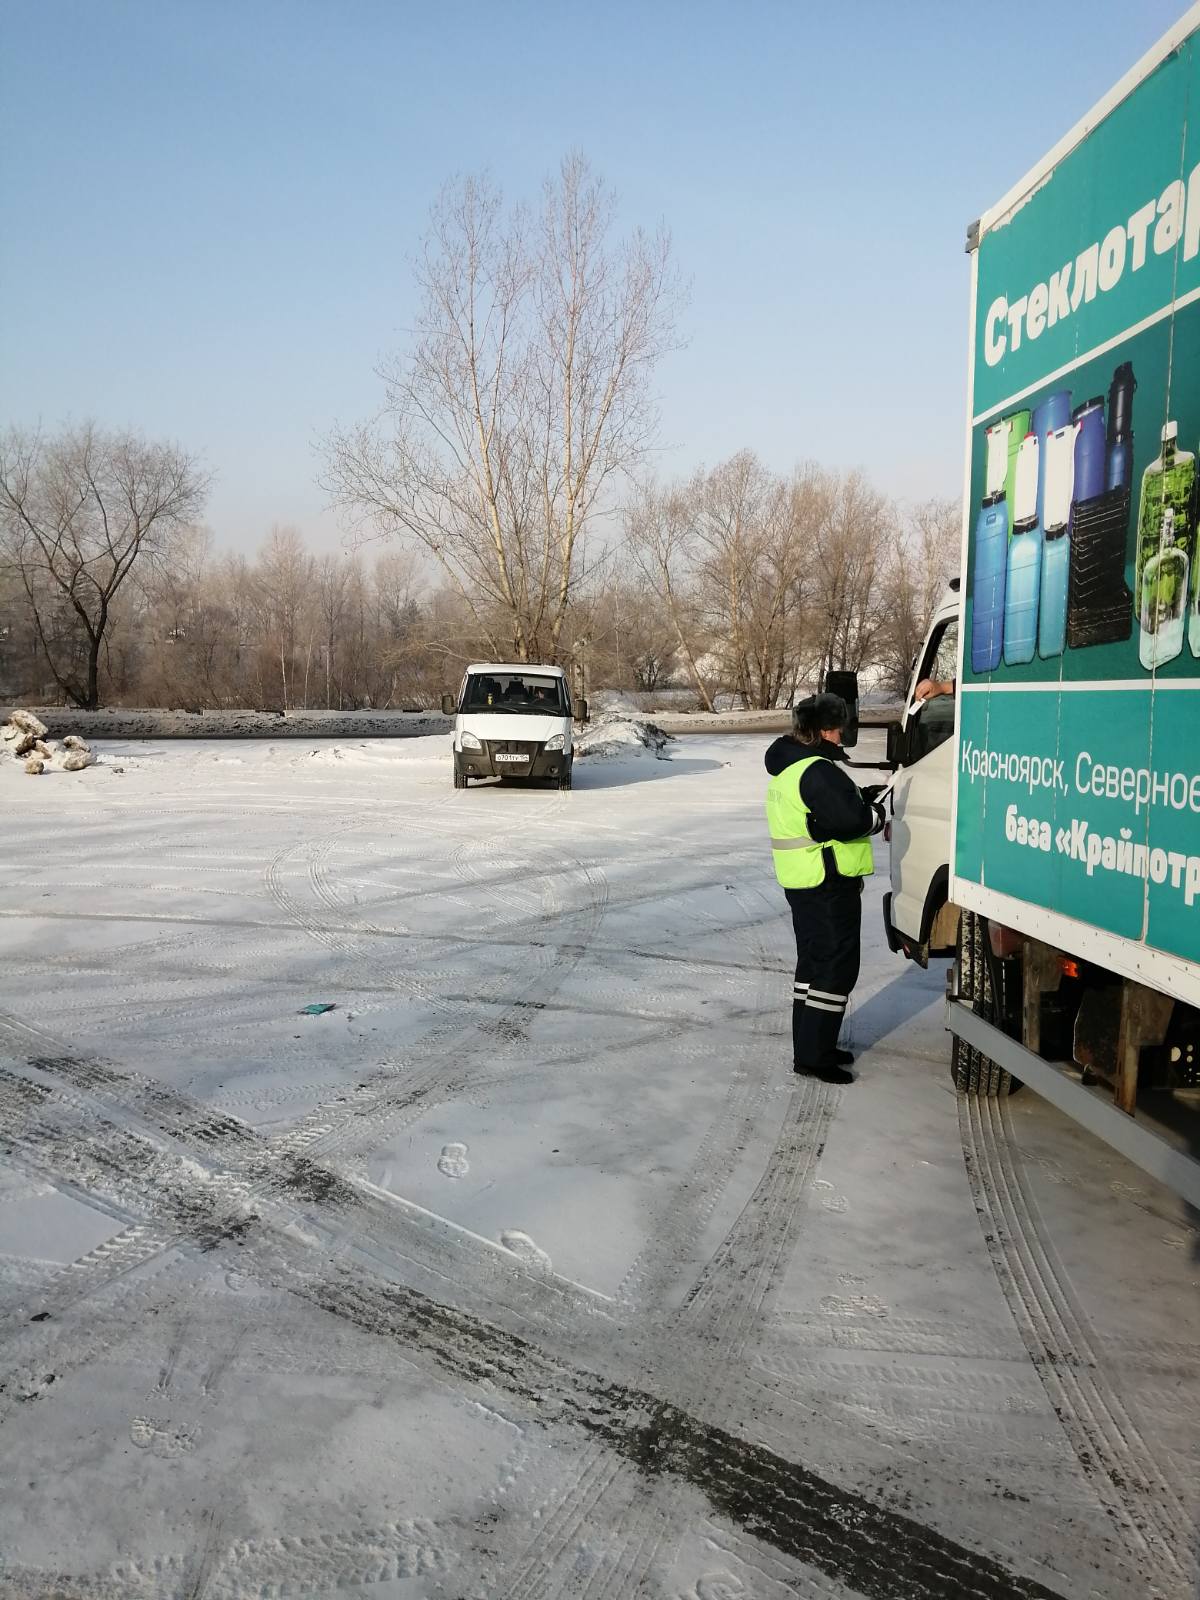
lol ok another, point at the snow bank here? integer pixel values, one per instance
(122, 723)
(616, 733)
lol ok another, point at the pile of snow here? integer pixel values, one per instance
(24, 736)
(617, 733)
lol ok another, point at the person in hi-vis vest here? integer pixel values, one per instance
(821, 824)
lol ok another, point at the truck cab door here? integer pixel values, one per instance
(923, 793)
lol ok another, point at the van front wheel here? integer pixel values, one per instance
(460, 779)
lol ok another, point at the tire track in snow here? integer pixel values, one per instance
(880, 1554)
(248, 1569)
(717, 1321)
(745, 1268)
(339, 941)
(254, 1173)
(728, 1307)
(677, 1227)
(392, 1097)
(389, 1102)
(1138, 1498)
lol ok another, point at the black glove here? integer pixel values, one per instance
(871, 792)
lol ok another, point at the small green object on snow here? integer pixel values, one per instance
(317, 1009)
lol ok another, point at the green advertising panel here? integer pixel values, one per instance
(1079, 750)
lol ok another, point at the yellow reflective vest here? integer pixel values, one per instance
(799, 858)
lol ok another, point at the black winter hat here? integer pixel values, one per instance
(820, 713)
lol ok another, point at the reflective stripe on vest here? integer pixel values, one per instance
(799, 858)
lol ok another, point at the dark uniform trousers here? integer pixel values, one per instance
(827, 921)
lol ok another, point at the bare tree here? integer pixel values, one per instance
(526, 394)
(335, 583)
(632, 644)
(287, 621)
(77, 514)
(660, 534)
(922, 560)
(751, 575)
(847, 548)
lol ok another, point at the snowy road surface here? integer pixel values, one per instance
(531, 1270)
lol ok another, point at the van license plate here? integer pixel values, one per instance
(503, 755)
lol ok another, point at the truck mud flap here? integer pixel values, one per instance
(894, 942)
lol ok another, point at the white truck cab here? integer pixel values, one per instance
(919, 919)
(512, 720)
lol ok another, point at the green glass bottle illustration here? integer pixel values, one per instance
(1163, 550)
(1164, 590)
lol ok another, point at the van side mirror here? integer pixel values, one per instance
(897, 746)
(845, 686)
(449, 705)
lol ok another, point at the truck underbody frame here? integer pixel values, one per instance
(1058, 1083)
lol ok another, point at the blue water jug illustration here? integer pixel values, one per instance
(1052, 616)
(987, 592)
(1053, 413)
(1091, 450)
(1022, 597)
(1024, 559)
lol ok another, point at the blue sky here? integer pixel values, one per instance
(209, 208)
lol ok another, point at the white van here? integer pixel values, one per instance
(512, 720)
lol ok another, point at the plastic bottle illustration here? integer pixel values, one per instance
(1003, 444)
(987, 592)
(995, 475)
(1018, 428)
(1168, 485)
(1163, 591)
(1058, 491)
(1024, 559)
(1119, 469)
(1053, 413)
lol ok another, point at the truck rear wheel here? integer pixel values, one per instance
(973, 1072)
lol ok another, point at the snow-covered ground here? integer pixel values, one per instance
(530, 1269)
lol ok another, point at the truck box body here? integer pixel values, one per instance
(1077, 767)
(1045, 827)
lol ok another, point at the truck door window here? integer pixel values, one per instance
(935, 722)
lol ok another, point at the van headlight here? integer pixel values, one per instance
(470, 742)
(555, 742)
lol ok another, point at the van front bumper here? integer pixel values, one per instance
(537, 761)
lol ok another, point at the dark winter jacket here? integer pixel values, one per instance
(837, 807)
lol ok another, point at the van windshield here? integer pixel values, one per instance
(522, 692)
